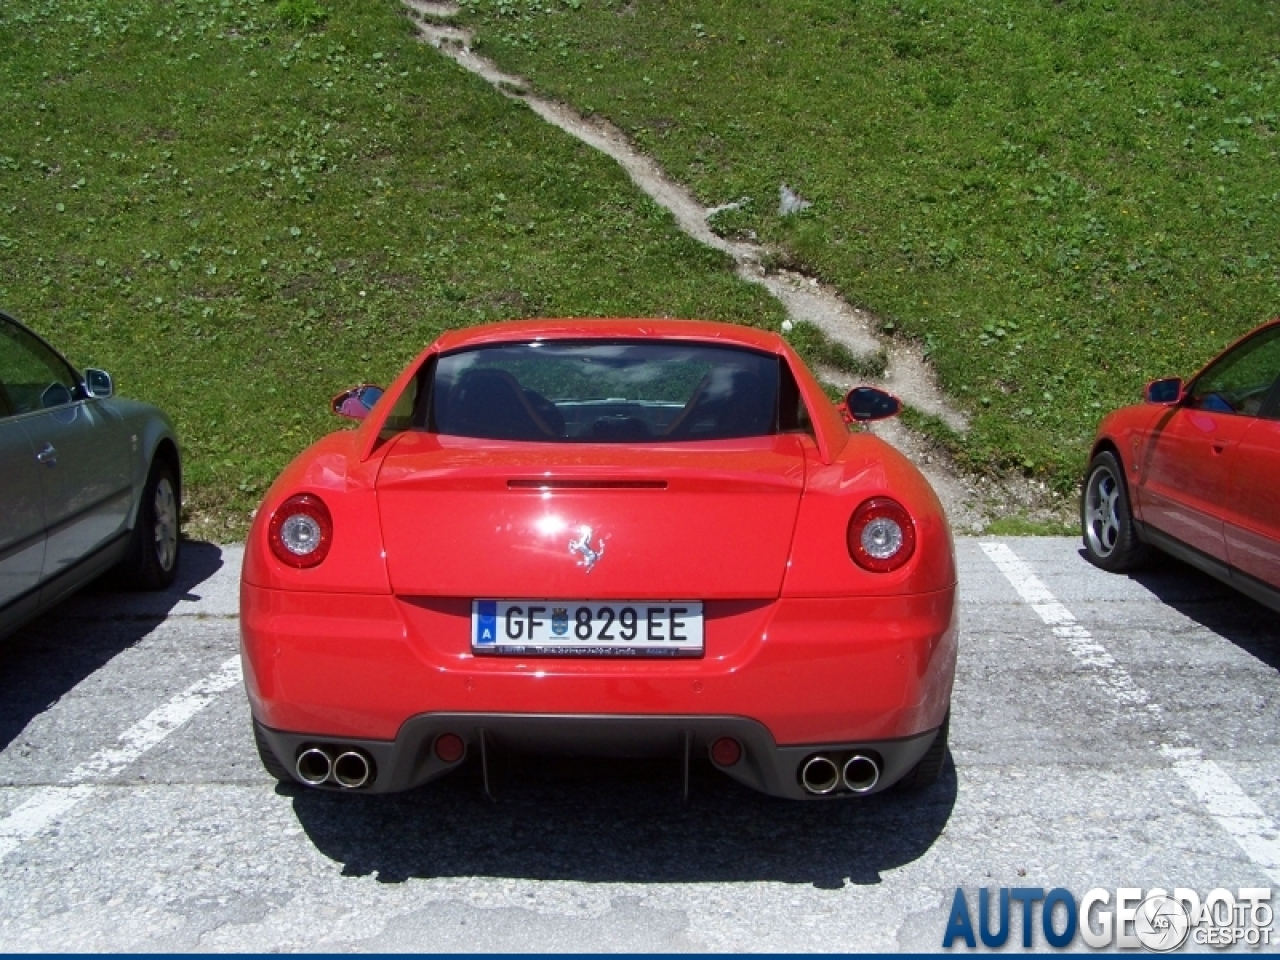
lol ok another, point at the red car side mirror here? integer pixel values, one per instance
(1165, 392)
(356, 403)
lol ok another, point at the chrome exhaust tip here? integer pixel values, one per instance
(819, 775)
(861, 773)
(351, 770)
(313, 766)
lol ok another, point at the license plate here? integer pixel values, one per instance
(640, 628)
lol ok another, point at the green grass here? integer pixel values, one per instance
(241, 208)
(1058, 200)
(817, 348)
(1026, 527)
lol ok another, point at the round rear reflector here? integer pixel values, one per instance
(450, 748)
(726, 751)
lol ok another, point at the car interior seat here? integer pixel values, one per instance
(727, 402)
(491, 404)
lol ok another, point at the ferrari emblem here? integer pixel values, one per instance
(583, 547)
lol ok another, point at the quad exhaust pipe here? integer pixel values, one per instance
(313, 766)
(351, 769)
(822, 775)
(861, 773)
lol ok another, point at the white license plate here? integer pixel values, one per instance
(626, 628)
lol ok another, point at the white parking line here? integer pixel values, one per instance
(1229, 805)
(50, 803)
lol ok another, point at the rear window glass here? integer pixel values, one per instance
(606, 392)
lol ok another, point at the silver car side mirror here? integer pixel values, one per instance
(98, 383)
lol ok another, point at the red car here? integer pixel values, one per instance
(607, 537)
(1188, 471)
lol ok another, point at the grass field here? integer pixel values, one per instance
(1059, 200)
(240, 208)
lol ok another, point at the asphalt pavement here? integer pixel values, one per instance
(1107, 731)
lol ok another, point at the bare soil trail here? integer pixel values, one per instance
(971, 502)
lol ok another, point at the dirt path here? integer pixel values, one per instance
(970, 502)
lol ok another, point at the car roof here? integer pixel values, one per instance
(705, 331)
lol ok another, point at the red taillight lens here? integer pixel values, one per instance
(882, 536)
(301, 531)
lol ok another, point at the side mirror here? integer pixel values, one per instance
(1165, 392)
(98, 383)
(868, 403)
(356, 403)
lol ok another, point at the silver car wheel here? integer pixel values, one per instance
(1102, 525)
(166, 529)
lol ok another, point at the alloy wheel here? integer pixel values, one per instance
(1102, 525)
(165, 509)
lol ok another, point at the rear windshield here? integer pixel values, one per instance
(608, 392)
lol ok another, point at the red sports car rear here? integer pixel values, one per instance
(625, 538)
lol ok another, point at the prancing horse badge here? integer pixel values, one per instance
(582, 546)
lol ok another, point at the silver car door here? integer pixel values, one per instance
(82, 448)
(21, 517)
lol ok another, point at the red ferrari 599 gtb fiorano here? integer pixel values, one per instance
(606, 537)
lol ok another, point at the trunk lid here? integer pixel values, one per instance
(475, 518)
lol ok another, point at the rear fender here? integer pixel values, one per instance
(820, 562)
(332, 470)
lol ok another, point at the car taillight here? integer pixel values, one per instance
(301, 531)
(881, 536)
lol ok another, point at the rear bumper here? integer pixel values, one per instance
(377, 671)
(411, 760)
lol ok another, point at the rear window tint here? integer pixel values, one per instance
(605, 392)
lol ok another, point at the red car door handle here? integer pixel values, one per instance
(48, 456)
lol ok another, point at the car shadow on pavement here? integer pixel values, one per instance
(607, 821)
(47, 658)
(1215, 606)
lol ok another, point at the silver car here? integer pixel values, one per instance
(89, 482)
